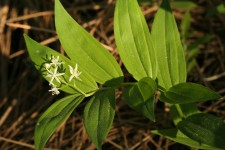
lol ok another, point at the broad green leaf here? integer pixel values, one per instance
(167, 44)
(83, 49)
(98, 115)
(185, 4)
(40, 55)
(141, 97)
(177, 136)
(133, 40)
(187, 110)
(188, 93)
(204, 128)
(53, 117)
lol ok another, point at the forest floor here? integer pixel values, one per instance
(24, 93)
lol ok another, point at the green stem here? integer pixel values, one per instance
(127, 84)
(120, 85)
(105, 88)
(91, 93)
(74, 87)
(179, 110)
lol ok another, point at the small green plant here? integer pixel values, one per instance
(155, 60)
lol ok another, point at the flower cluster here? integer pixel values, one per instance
(54, 74)
(52, 69)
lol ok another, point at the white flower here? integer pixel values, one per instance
(47, 66)
(54, 75)
(74, 73)
(54, 90)
(55, 61)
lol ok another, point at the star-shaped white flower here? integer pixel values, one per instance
(54, 90)
(74, 72)
(54, 75)
(55, 61)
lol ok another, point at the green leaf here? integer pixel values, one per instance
(185, 4)
(204, 128)
(40, 54)
(53, 117)
(98, 115)
(188, 93)
(185, 25)
(193, 50)
(170, 53)
(83, 49)
(141, 97)
(177, 136)
(191, 64)
(201, 40)
(133, 40)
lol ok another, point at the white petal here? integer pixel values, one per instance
(76, 67)
(71, 69)
(59, 74)
(50, 82)
(49, 75)
(78, 78)
(47, 66)
(57, 79)
(71, 77)
(55, 71)
(57, 92)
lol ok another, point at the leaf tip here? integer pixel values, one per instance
(26, 37)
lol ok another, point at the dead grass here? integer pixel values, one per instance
(24, 95)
